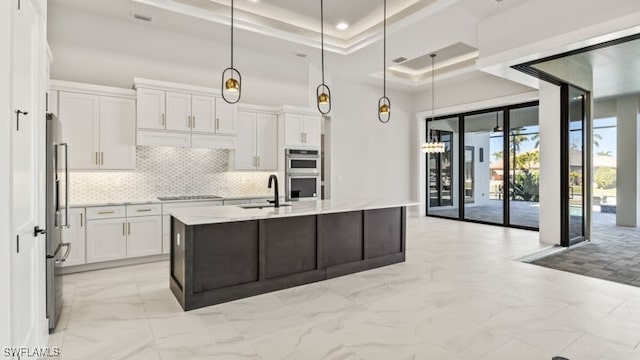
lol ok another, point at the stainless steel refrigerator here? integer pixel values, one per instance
(57, 190)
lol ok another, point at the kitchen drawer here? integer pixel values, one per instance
(144, 210)
(106, 212)
(166, 208)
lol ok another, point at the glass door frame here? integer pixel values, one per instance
(505, 110)
(565, 173)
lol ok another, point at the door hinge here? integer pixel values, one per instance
(18, 243)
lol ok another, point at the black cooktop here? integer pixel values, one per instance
(189, 197)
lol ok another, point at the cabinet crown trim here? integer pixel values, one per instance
(174, 87)
(91, 89)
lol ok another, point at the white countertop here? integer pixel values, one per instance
(223, 214)
(119, 202)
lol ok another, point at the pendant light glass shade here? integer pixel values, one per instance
(323, 93)
(384, 104)
(231, 78)
(432, 145)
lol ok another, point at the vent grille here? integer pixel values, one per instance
(400, 60)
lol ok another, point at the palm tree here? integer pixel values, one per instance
(536, 138)
(596, 139)
(604, 153)
(498, 155)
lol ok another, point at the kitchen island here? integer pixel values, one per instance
(224, 253)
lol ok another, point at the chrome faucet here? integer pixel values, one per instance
(276, 195)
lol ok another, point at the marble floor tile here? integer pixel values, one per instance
(590, 347)
(517, 350)
(459, 296)
(540, 333)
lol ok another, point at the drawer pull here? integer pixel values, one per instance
(106, 212)
(144, 210)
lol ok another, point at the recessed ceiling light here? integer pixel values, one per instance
(342, 26)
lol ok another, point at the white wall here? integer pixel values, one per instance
(108, 51)
(550, 163)
(5, 199)
(480, 169)
(371, 158)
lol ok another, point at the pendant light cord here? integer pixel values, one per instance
(232, 34)
(322, 35)
(433, 88)
(384, 52)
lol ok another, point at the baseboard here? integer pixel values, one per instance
(113, 264)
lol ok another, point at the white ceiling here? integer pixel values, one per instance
(416, 29)
(611, 67)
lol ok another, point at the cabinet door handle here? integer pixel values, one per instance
(162, 119)
(105, 212)
(217, 124)
(101, 158)
(95, 157)
(143, 210)
(81, 220)
(301, 137)
(123, 229)
(193, 121)
(128, 228)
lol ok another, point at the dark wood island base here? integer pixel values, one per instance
(220, 262)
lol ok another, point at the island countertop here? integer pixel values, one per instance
(223, 214)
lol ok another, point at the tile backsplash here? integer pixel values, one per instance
(165, 171)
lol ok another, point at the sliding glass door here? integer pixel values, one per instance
(490, 174)
(574, 109)
(442, 169)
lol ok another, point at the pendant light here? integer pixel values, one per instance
(498, 128)
(323, 93)
(231, 78)
(384, 104)
(432, 145)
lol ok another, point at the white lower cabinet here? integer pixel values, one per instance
(75, 236)
(106, 239)
(143, 236)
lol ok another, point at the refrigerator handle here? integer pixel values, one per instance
(66, 253)
(66, 184)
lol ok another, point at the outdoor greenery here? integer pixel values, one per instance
(526, 186)
(605, 178)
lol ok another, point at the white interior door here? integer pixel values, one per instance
(79, 114)
(178, 111)
(267, 141)
(117, 133)
(28, 257)
(203, 111)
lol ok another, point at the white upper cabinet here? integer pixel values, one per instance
(189, 116)
(203, 114)
(80, 127)
(302, 131)
(178, 111)
(151, 109)
(312, 128)
(257, 142)
(98, 123)
(117, 133)
(245, 153)
(225, 117)
(267, 141)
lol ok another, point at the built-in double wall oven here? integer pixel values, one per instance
(302, 174)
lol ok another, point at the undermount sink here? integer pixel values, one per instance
(261, 206)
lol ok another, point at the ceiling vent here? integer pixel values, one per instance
(142, 17)
(400, 60)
